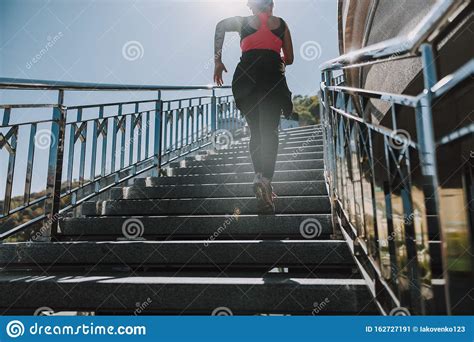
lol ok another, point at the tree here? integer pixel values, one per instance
(307, 108)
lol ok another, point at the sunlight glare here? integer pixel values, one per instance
(230, 7)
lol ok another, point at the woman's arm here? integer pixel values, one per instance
(288, 47)
(227, 25)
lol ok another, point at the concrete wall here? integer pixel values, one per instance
(455, 161)
(390, 19)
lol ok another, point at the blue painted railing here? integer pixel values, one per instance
(88, 149)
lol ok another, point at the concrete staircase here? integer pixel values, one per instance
(191, 243)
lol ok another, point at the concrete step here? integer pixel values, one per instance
(310, 139)
(225, 178)
(186, 254)
(203, 206)
(298, 132)
(293, 188)
(281, 149)
(245, 158)
(317, 127)
(290, 142)
(204, 168)
(112, 293)
(216, 227)
(311, 136)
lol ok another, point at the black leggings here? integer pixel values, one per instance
(263, 121)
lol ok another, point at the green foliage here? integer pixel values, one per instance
(307, 108)
(29, 213)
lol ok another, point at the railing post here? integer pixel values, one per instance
(55, 169)
(329, 150)
(427, 152)
(158, 141)
(11, 161)
(213, 111)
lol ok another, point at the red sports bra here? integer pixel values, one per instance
(263, 39)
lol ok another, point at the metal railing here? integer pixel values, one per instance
(88, 149)
(389, 215)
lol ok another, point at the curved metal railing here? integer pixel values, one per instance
(383, 183)
(81, 151)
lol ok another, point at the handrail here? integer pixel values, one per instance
(116, 142)
(401, 47)
(389, 214)
(20, 83)
(451, 81)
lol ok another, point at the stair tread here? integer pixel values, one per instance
(192, 242)
(280, 157)
(314, 204)
(218, 190)
(118, 292)
(284, 149)
(235, 253)
(192, 226)
(233, 177)
(279, 163)
(123, 278)
(217, 198)
(250, 172)
(203, 168)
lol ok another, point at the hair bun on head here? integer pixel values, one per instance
(261, 4)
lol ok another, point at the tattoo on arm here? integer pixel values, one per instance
(219, 41)
(227, 25)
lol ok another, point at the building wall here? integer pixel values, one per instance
(390, 19)
(455, 161)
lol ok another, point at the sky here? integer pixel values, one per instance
(158, 42)
(89, 40)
